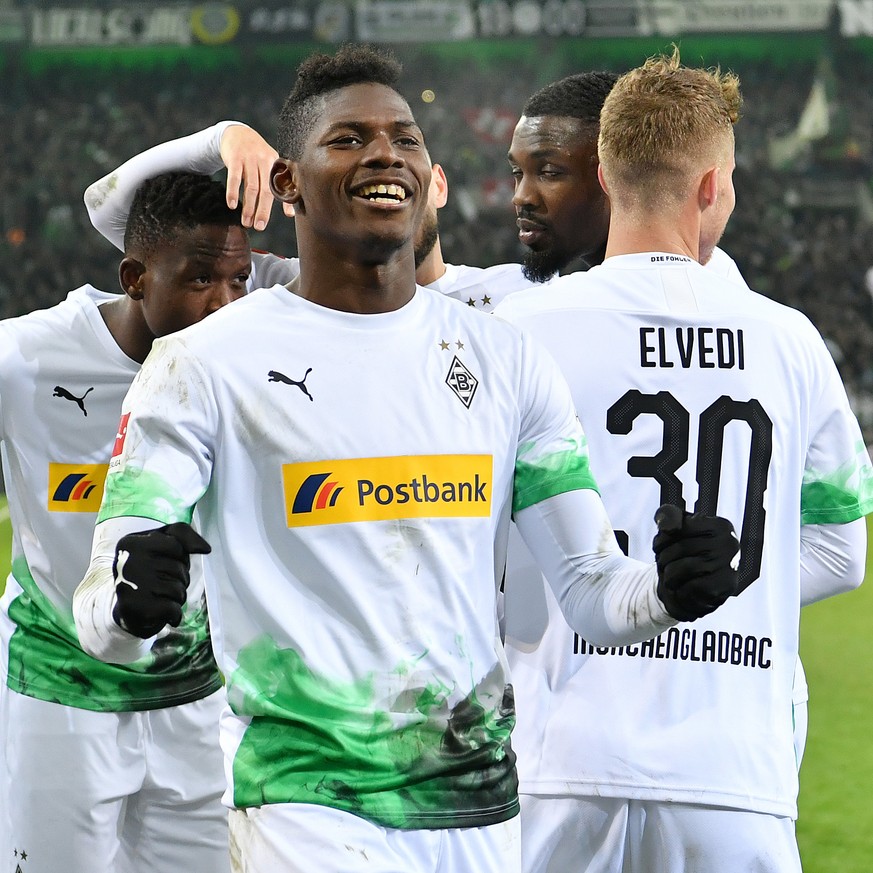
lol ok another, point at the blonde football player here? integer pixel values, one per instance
(678, 754)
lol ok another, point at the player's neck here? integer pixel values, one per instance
(125, 322)
(348, 284)
(632, 235)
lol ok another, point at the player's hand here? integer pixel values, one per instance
(151, 572)
(697, 557)
(249, 159)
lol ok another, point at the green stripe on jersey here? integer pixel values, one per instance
(838, 498)
(47, 662)
(539, 477)
(137, 492)
(426, 763)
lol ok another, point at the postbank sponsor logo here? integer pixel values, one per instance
(380, 489)
(76, 487)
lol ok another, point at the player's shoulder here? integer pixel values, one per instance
(721, 296)
(269, 269)
(220, 333)
(725, 293)
(509, 275)
(722, 264)
(461, 276)
(62, 331)
(57, 319)
(447, 310)
(559, 292)
(481, 287)
(505, 279)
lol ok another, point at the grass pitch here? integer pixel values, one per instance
(836, 809)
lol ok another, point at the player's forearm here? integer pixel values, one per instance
(609, 599)
(832, 559)
(99, 634)
(108, 199)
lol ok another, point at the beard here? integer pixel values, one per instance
(540, 266)
(426, 239)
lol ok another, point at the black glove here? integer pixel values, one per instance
(151, 574)
(697, 562)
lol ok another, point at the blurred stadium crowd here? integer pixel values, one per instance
(802, 233)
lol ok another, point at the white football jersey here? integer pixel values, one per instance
(269, 269)
(481, 287)
(62, 380)
(352, 587)
(727, 403)
(724, 265)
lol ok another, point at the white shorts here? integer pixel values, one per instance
(129, 792)
(607, 835)
(303, 837)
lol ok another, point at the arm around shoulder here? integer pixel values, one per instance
(108, 199)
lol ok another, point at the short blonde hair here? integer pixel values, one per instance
(661, 124)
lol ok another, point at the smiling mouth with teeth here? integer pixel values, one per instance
(382, 193)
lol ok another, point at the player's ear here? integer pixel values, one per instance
(707, 190)
(601, 179)
(130, 277)
(438, 194)
(283, 184)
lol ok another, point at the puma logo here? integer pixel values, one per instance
(79, 401)
(276, 376)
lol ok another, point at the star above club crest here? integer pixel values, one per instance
(459, 344)
(444, 345)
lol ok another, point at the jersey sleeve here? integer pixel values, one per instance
(608, 598)
(162, 459)
(838, 476)
(832, 559)
(108, 199)
(552, 453)
(160, 467)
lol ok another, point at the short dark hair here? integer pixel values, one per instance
(578, 96)
(318, 75)
(170, 202)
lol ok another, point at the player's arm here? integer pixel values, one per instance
(245, 153)
(137, 581)
(613, 600)
(832, 559)
(837, 489)
(606, 597)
